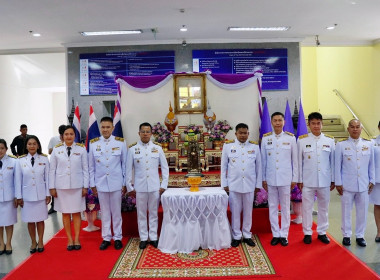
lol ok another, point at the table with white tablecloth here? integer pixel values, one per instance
(194, 220)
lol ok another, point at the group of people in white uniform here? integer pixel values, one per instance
(315, 163)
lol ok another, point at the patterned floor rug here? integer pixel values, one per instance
(151, 263)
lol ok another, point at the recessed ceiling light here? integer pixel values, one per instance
(183, 28)
(36, 35)
(274, 28)
(332, 27)
(104, 33)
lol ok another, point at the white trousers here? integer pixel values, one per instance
(239, 202)
(361, 205)
(110, 205)
(147, 202)
(276, 196)
(323, 200)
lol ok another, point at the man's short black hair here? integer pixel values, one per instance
(314, 116)
(23, 126)
(277, 114)
(61, 129)
(241, 125)
(145, 124)
(107, 119)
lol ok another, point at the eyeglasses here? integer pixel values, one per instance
(145, 131)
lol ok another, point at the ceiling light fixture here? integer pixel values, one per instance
(34, 34)
(183, 28)
(105, 33)
(274, 28)
(332, 27)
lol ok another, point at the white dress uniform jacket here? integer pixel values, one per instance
(7, 178)
(145, 159)
(354, 165)
(316, 160)
(69, 172)
(279, 158)
(107, 163)
(241, 166)
(32, 182)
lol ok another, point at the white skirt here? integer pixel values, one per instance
(374, 196)
(8, 214)
(34, 211)
(69, 201)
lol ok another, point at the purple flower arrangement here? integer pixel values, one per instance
(219, 131)
(216, 136)
(162, 135)
(296, 194)
(128, 203)
(195, 129)
(261, 199)
(92, 202)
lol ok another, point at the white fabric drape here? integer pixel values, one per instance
(194, 219)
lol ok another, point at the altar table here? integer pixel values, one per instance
(194, 220)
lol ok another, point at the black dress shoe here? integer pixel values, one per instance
(154, 243)
(249, 242)
(346, 241)
(324, 238)
(361, 242)
(77, 247)
(70, 247)
(118, 245)
(377, 239)
(284, 241)
(235, 242)
(51, 211)
(40, 250)
(307, 239)
(275, 241)
(105, 245)
(2, 252)
(8, 252)
(143, 244)
(33, 250)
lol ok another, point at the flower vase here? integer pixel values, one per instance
(297, 209)
(217, 144)
(165, 146)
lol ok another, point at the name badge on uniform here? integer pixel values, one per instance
(325, 146)
(154, 150)
(251, 152)
(41, 163)
(76, 154)
(10, 167)
(364, 148)
(115, 148)
(286, 143)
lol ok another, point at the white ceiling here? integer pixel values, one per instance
(60, 21)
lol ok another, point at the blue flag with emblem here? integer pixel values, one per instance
(288, 119)
(266, 125)
(301, 126)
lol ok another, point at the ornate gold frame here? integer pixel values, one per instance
(196, 103)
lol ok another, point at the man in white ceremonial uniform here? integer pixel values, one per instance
(316, 176)
(240, 175)
(354, 180)
(280, 174)
(107, 167)
(144, 158)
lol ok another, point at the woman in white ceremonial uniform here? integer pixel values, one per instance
(68, 182)
(32, 191)
(374, 196)
(8, 201)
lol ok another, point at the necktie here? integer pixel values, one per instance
(1, 164)
(68, 151)
(32, 161)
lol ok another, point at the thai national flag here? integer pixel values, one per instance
(76, 124)
(117, 131)
(93, 128)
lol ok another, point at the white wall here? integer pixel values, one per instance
(32, 91)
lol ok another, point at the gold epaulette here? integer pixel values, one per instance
(267, 134)
(80, 145)
(158, 144)
(58, 145)
(289, 133)
(303, 136)
(343, 139)
(134, 144)
(22, 156)
(229, 141)
(94, 140)
(254, 142)
(12, 156)
(329, 136)
(121, 139)
(366, 139)
(44, 155)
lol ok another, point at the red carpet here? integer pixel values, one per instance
(297, 261)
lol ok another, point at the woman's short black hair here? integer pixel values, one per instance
(2, 141)
(39, 149)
